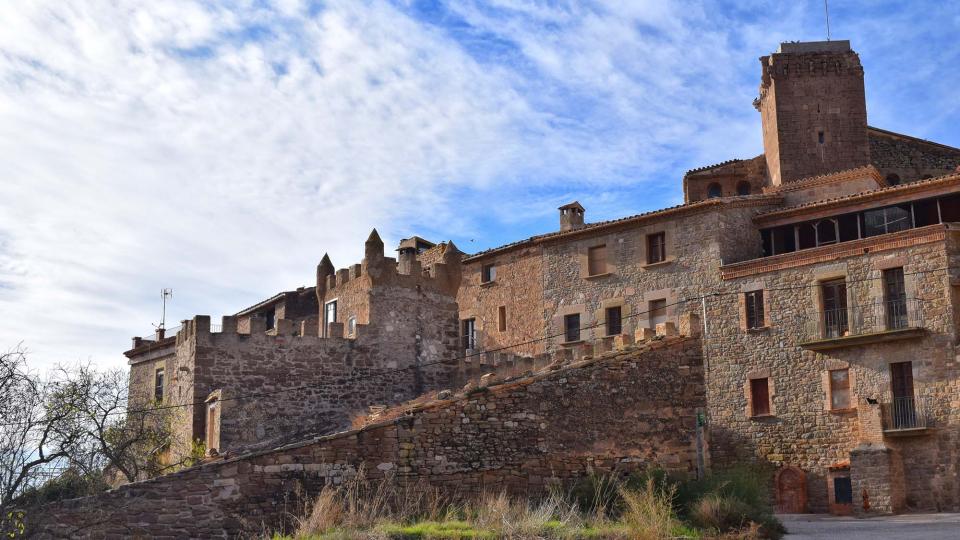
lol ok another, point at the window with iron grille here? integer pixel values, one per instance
(614, 320)
(571, 325)
(753, 302)
(158, 385)
(656, 248)
(760, 397)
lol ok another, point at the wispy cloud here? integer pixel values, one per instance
(222, 148)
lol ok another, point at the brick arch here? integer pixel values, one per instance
(791, 490)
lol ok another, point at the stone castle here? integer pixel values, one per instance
(800, 310)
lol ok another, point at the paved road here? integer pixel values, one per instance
(905, 527)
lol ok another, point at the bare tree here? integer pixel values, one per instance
(75, 426)
(40, 428)
(130, 441)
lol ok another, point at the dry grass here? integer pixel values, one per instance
(649, 511)
(387, 509)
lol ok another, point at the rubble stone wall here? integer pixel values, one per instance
(803, 431)
(627, 410)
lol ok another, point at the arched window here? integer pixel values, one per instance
(826, 232)
(743, 187)
(893, 179)
(714, 191)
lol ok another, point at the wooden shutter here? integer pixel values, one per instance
(760, 396)
(597, 260)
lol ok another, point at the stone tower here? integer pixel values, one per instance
(813, 110)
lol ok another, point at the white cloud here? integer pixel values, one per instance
(221, 148)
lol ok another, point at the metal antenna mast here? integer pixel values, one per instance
(164, 294)
(826, 11)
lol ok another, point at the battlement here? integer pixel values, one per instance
(405, 271)
(485, 368)
(284, 330)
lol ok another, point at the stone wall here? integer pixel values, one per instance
(517, 288)
(624, 411)
(910, 158)
(802, 430)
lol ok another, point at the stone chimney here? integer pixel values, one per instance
(571, 216)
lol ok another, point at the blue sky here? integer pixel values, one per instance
(220, 148)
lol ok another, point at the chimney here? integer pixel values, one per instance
(571, 216)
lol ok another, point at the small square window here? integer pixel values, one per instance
(597, 260)
(753, 302)
(502, 318)
(656, 248)
(571, 325)
(488, 273)
(840, 389)
(614, 321)
(760, 397)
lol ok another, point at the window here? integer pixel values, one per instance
(213, 426)
(488, 273)
(839, 389)
(656, 248)
(352, 325)
(597, 260)
(759, 397)
(271, 317)
(468, 334)
(895, 298)
(820, 137)
(329, 316)
(887, 220)
(657, 312)
(502, 318)
(753, 302)
(834, 295)
(743, 187)
(714, 191)
(893, 179)
(571, 325)
(158, 385)
(614, 321)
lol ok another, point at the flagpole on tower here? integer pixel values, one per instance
(826, 11)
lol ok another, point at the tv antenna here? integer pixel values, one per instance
(164, 294)
(826, 12)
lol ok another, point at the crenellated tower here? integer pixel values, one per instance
(813, 110)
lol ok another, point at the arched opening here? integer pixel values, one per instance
(926, 177)
(893, 179)
(826, 232)
(791, 490)
(714, 191)
(743, 187)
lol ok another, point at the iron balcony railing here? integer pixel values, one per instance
(863, 319)
(906, 413)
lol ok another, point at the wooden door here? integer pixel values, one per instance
(791, 484)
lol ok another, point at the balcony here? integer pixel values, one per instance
(905, 416)
(877, 322)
